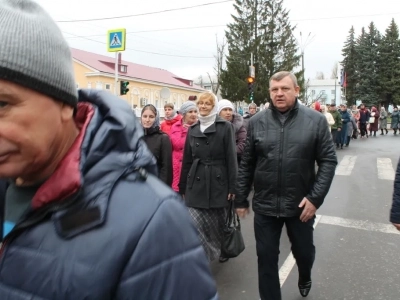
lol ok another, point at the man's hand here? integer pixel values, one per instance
(231, 197)
(242, 212)
(308, 210)
(397, 226)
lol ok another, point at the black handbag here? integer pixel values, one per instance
(232, 240)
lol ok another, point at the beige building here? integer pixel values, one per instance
(147, 85)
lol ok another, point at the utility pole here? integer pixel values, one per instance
(116, 74)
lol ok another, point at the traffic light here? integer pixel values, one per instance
(124, 87)
(250, 83)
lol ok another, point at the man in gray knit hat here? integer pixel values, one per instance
(84, 215)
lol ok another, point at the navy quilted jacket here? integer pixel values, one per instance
(395, 211)
(120, 234)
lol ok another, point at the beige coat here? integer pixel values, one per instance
(330, 119)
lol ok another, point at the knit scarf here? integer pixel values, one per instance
(207, 121)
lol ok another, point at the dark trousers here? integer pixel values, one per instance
(363, 129)
(268, 232)
(334, 133)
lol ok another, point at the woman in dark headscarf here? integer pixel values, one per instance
(158, 142)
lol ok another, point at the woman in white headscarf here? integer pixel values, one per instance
(208, 175)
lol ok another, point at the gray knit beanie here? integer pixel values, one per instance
(187, 106)
(33, 51)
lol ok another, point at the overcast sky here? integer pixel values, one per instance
(189, 52)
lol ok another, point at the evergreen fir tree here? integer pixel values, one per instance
(367, 88)
(389, 73)
(260, 27)
(349, 64)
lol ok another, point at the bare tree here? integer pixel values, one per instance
(199, 81)
(335, 71)
(219, 61)
(320, 75)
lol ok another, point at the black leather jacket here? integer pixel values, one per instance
(280, 159)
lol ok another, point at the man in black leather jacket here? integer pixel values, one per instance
(283, 144)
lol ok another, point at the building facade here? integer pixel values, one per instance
(326, 91)
(147, 85)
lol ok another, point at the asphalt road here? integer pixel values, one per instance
(358, 252)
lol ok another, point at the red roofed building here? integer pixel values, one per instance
(146, 84)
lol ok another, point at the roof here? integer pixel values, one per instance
(106, 64)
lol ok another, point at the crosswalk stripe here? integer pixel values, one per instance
(346, 165)
(385, 168)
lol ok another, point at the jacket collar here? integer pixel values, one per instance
(196, 132)
(108, 147)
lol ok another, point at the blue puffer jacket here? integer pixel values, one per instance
(102, 227)
(395, 211)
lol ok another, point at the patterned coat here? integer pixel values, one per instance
(395, 119)
(383, 119)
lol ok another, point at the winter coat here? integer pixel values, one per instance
(3, 189)
(160, 145)
(345, 117)
(364, 115)
(246, 119)
(167, 124)
(338, 120)
(240, 134)
(102, 227)
(351, 126)
(395, 120)
(395, 211)
(177, 135)
(209, 167)
(374, 126)
(280, 159)
(383, 120)
(329, 119)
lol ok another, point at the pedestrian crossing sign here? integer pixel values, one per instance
(116, 40)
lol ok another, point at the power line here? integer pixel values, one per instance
(149, 52)
(155, 30)
(211, 26)
(344, 17)
(144, 14)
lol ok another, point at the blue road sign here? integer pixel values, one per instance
(116, 40)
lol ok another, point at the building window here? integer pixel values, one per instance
(108, 86)
(123, 69)
(333, 92)
(143, 101)
(313, 93)
(99, 85)
(89, 85)
(207, 87)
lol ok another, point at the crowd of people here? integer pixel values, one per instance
(347, 124)
(96, 205)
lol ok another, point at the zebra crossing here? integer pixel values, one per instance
(385, 167)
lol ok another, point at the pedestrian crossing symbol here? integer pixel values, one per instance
(116, 40)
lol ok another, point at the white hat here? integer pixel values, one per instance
(224, 104)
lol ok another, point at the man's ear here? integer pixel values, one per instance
(67, 112)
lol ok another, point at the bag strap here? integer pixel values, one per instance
(231, 216)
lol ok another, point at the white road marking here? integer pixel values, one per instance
(346, 165)
(359, 224)
(385, 168)
(289, 263)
